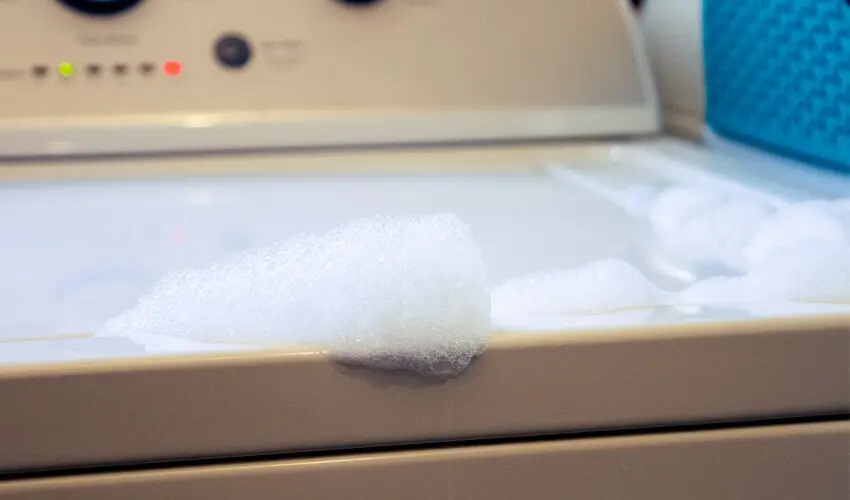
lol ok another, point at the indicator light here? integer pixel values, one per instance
(66, 69)
(172, 68)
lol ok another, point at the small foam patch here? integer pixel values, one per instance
(705, 227)
(813, 272)
(810, 222)
(389, 292)
(702, 226)
(600, 287)
(807, 272)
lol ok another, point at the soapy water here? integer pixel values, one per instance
(411, 293)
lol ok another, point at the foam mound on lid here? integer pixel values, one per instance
(389, 292)
(600, 287)
(706, 227)
(814, 272)
(810, 272)
(813, 222)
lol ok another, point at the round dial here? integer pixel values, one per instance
(359, 3)
(100, 7)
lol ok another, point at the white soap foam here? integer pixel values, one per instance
(811, 272)
(806, 272)
(396, 293)
(706, 227)
(702, 226)
(674, 206)
(794, 253)
(809, 222)
(559, 296)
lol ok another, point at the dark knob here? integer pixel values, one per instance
(358, 3)
(100, 7)
(233, 51)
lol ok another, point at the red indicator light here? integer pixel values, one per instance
(172, 68)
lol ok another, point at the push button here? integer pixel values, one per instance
(232, 51)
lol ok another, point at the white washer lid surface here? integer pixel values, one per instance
(108, 407)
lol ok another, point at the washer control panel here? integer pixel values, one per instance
(80, 61)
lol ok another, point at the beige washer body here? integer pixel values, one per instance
(725, 408)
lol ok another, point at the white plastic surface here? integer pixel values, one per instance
(78, 253)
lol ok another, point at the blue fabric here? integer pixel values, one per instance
(778, 76)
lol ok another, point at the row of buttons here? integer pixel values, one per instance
(68, 70)
(231, 50)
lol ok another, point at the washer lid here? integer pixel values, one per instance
(664, 371)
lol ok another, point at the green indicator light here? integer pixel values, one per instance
(66, 69)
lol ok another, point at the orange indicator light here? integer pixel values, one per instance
(172, 68)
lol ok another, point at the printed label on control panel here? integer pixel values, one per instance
(283, 52)
(109, 40)
(10, 74)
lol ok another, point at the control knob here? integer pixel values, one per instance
(100, 7)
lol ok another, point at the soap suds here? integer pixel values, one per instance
(411, 293)
(395, 293)
(810, 272)
(803, 223)
(786, 253)
(701, 226)
(813, 272)
(704, 227)
(601, 287)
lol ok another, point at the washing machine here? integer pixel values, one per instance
(143, 137)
